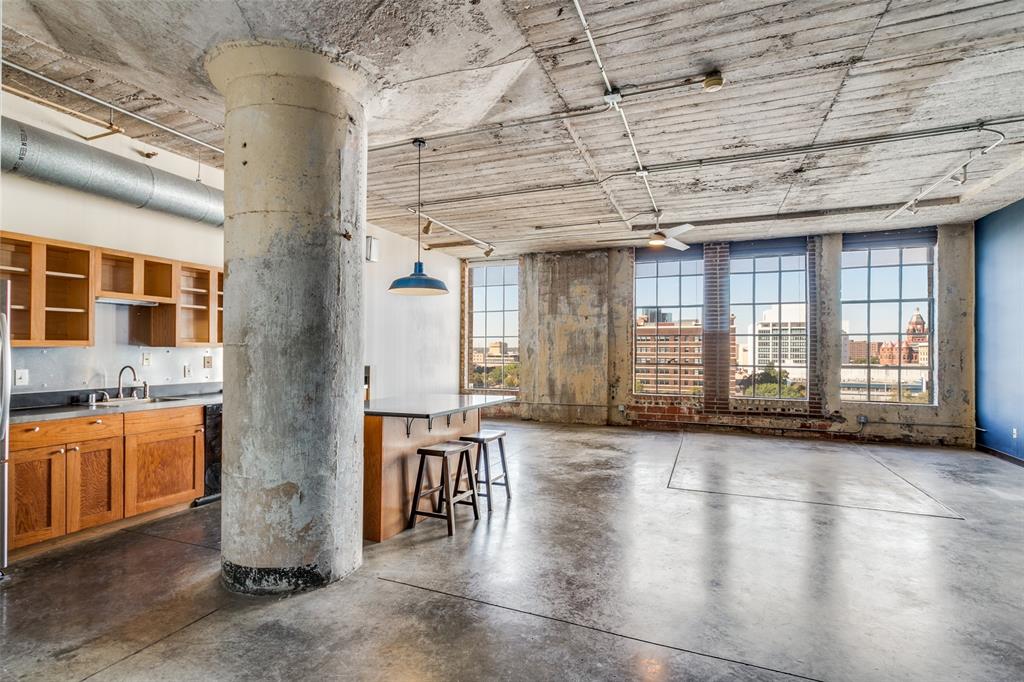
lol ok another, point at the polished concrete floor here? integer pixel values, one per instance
(624, 554)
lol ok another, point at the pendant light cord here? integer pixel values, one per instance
(419, 190)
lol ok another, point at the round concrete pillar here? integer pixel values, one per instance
(294, 200)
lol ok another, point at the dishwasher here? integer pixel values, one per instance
(212, 423)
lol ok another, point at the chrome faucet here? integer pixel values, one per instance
(120, 375)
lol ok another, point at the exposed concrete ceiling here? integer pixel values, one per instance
(797, 73)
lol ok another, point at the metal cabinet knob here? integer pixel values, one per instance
(98, 421)
(200, 430)
(61, 451)
(75, 449)
(34, 429)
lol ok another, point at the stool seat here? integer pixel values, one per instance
(442, 449)
(483, 436)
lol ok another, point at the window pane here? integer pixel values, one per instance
(742, 383)
(855, 284)
(646, 292)
(794, 318)
(743, 351)
(885, 318)
(691, 316)
(853, 384)
(917, 255)
(511, 298)
(495, 297)
(741, 288)
(794, 286)
(692, 291)
(766, 264)
(884, 385)
(479, 296)
(741, 265)
(915, 281)
(915, 386)
(512, 324)
(793, 382)
(478, 275)
(766, 287)
(766, 382)
(668, 291)
(692, 267)
(885, 257)
(885, 283)
(479, 322)
(512, 274)
(743, 318)
(668, 267)
(766, 317)
(857, 351)
(646, 269)
(852, 259)
(915, 318)
(495, 324)
(495, 274)
(794, 262)
(855, 318)
(886, 350)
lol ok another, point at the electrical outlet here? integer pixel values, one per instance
(188, 371)
(21, 377)
(147, 359)
(207, 362)
(862, 419)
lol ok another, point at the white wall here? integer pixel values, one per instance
(412, 343)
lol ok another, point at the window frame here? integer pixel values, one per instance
(686, 369)
(469, 338)
(779, 340)
(928, 303)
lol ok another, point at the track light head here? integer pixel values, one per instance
(428, 226)
(488, 251)
(713, 82)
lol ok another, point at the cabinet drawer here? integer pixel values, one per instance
(60, 431)
(164, 418)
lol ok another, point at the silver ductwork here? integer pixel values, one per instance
(41, 155)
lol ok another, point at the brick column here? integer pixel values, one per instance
(717, 340)
(815, 403)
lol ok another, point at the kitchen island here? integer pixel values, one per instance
(393, 430)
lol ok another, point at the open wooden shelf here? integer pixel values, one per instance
(134, 277)
(16, 257)
(68, 294)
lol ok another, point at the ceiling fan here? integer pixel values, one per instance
(658, 236)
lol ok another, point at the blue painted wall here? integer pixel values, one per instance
(999, 328)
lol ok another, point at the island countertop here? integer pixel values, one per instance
(429, 406)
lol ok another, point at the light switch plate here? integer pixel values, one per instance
(188, 371)
(147, 359)
(207, 361)
(21, 377)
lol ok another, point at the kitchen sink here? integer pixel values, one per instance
(119, 402)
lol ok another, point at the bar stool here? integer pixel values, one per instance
(482, 438)
(447, 497)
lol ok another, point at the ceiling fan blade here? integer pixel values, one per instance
(620, 239)
(676, 244)
(678, 230)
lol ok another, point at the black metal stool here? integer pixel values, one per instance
(447, 497)
(482, 438)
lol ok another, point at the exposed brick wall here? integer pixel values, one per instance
(716, 327)
(815, 402)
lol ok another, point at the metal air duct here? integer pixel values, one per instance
(41, 155)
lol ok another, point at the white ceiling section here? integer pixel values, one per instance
(797, 74)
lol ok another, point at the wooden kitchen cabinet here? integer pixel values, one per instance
(36, 497)
(95, 483)
(162, 468)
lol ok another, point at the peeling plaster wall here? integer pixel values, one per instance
(576, 335)
(563, 339)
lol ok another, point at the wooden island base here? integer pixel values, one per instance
(391, 462)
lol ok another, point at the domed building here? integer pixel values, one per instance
(913, 350)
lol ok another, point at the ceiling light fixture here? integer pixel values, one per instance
(713, 82)
(418, 283)
(657, 239)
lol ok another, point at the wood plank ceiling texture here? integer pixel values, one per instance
(797, 73)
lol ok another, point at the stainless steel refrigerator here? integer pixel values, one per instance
(5, 414)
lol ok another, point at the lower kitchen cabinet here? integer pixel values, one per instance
(36, 502)
(162, 468)
(95, 483)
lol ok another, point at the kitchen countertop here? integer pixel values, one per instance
(42, 414)
(429, 406)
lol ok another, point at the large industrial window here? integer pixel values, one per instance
(494, 326)
(669, 313)
(768, 311)
(888, 308)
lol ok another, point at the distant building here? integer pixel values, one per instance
(912, 349)
(668, 355)
(859, 352)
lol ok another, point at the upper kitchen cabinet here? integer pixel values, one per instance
(134, 277)
(51, 290)
(193, 320)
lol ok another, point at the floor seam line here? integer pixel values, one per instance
(675, 462)
(597, 629)
(156, 641)
(161, 537)
(824, 504)
(914, 486)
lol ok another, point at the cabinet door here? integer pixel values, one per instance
(95, 483)
(36, 496)
(162, 468)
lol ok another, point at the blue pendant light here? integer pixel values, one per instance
(418, 283)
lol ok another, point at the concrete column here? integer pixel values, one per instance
(294, 196)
